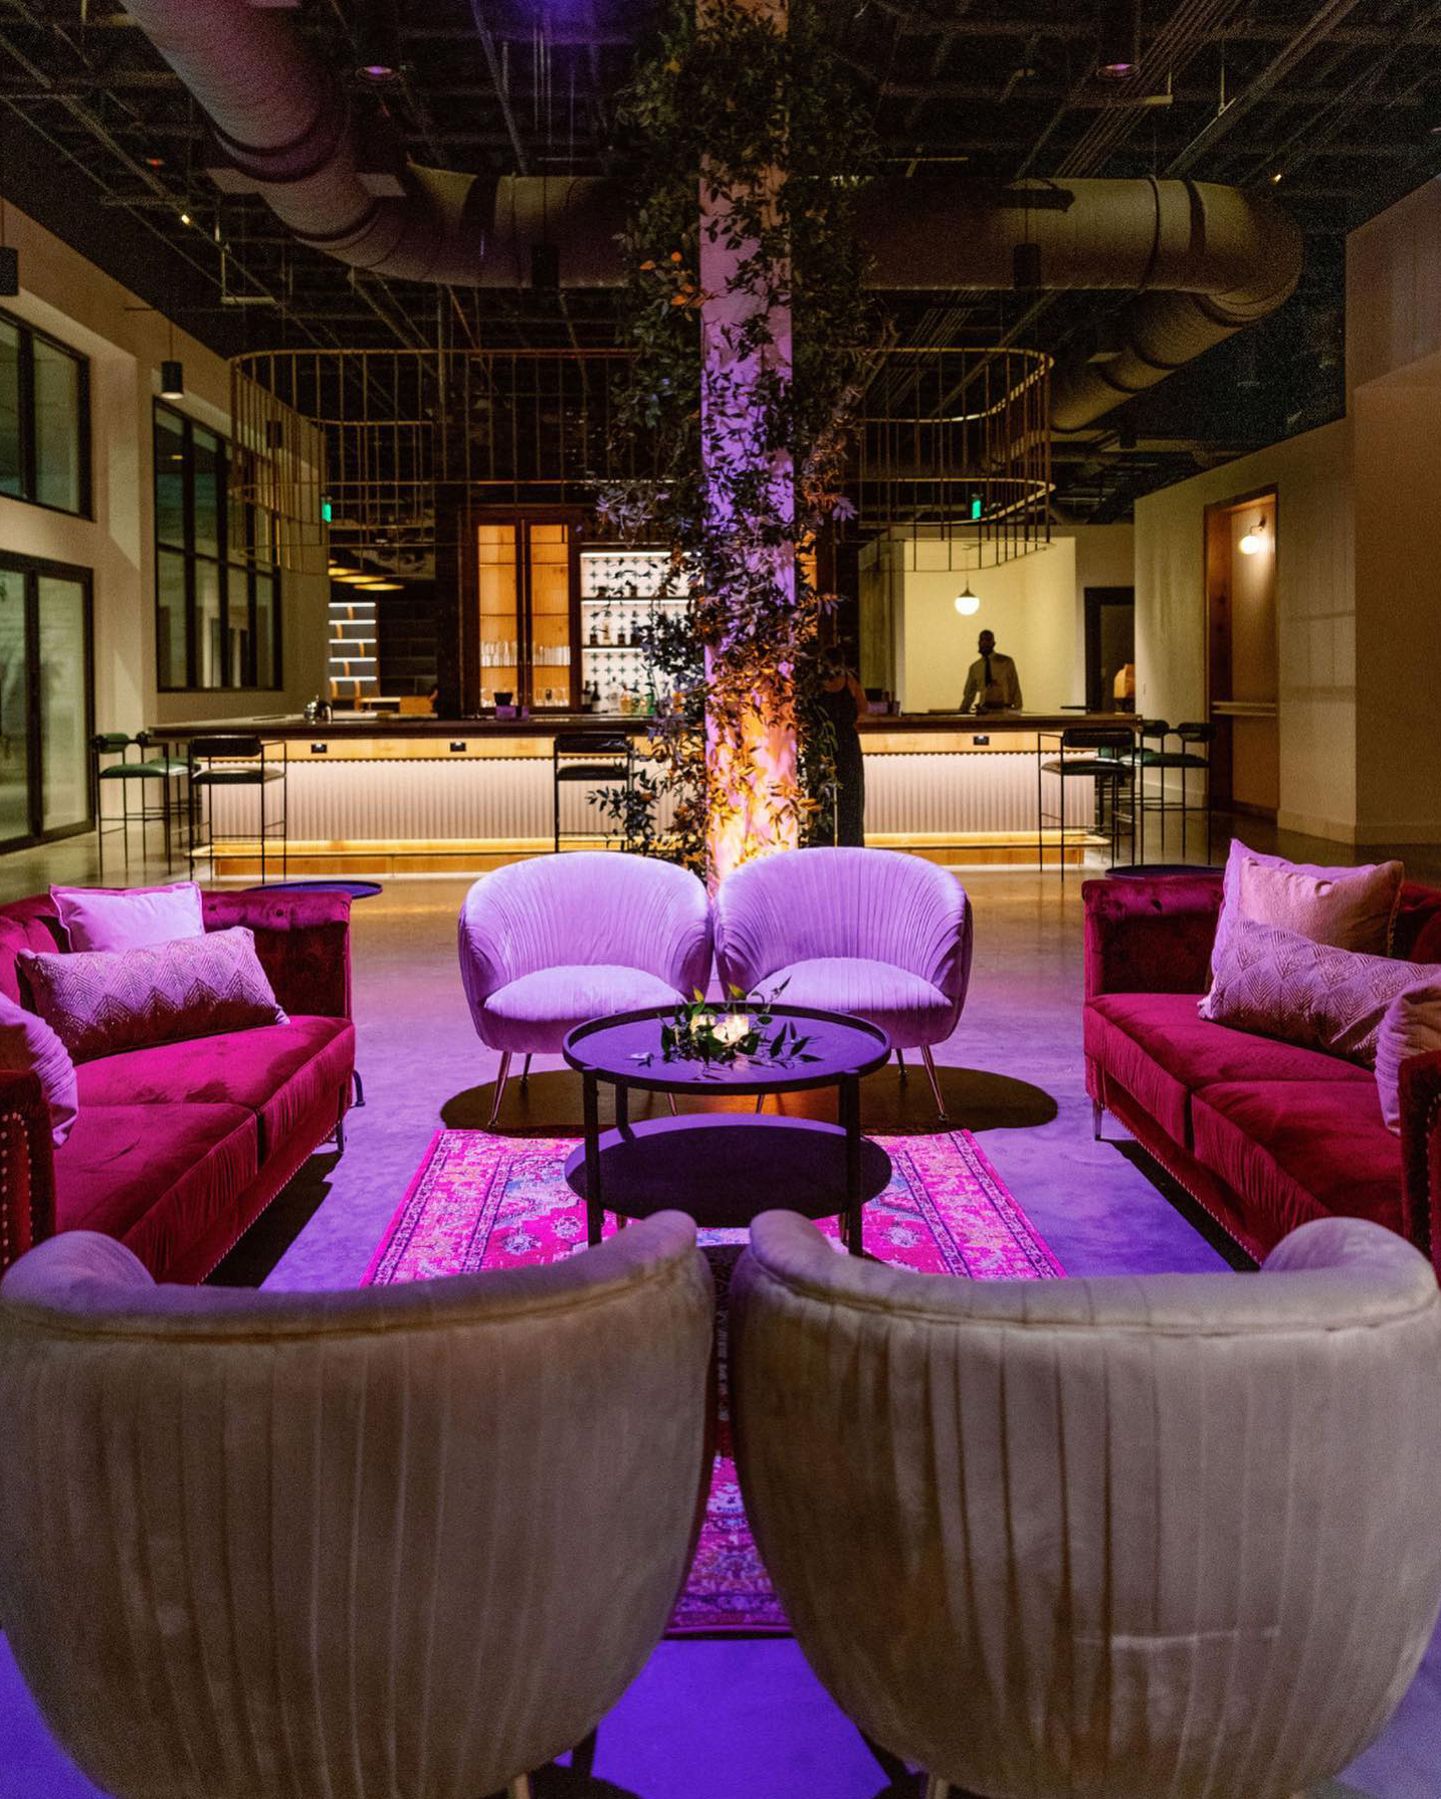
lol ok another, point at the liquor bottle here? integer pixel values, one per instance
(594, 635)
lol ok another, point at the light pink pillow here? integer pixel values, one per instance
(1312, 994)
(29, 1046)
(1411, 1026)
(1352, 908)
(129, 918)
(102, 1001)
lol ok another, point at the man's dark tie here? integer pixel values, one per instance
(988, 671)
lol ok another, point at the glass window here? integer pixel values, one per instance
(44, 420)
(267, 631)
(209, 625)
(14, 708)
(12, 446)
(169, 478)
(170, 611)
(217, 594)
(63, 695)
(206, 466)
(58, 474)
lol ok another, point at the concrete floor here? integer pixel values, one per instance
(729, 1719)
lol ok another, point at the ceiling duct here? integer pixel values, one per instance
(1203, 261)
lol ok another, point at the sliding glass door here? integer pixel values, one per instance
(45, 706)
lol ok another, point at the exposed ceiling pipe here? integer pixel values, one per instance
(1203, 260)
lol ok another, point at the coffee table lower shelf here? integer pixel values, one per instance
(724, 1169)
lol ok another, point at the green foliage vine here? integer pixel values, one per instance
(728, 98)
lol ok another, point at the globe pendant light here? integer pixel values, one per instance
(967, 603)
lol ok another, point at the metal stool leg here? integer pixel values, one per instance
(525, 1070)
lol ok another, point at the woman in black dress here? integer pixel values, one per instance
(842, 702)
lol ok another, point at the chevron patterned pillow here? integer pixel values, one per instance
(99, 1002)
(1279, 984)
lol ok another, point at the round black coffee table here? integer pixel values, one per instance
(724, 1168)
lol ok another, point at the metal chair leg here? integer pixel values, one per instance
(359, 1088)
(901, 1062)
(760, 1101)
(525, 1070)
(1098, 1115)
(935, 1083)
(673, 1112)
(502, 1076)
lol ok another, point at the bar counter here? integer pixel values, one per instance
(393, 795)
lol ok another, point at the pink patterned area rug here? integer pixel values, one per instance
(482, 1201)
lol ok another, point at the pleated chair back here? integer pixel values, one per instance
(407, 1542)
(1168, 1537)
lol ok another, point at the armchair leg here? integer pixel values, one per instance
(519, 1788)
(936, 1788)
(359, 1088)
(901, 1062)
(525, 1070)
(501, 1077)
(935, 1083)
(1098, 1114)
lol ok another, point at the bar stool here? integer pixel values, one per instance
(128, 775)
(1195, 739)
(240, 761)
(607, 757)
(167, 769)
(1105, 755)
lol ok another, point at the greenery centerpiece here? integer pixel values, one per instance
(732, 1033)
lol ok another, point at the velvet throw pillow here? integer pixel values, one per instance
(1411, 1026)
(1350, 908)
(100, 1002)
(29, 1046)
(1279, 984)
(128, 918)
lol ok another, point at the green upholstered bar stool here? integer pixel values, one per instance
(118, 767)
(240, 761)
(1104, 755)
(1192, 756)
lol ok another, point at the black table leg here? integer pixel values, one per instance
(594, 1211)
(622, 1124)
(850, 1110)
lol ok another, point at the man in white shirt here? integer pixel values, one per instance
(992, 684)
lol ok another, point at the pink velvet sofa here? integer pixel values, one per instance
(1265, 1135)
(179, 1147)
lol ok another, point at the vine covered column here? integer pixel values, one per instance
(753, 800)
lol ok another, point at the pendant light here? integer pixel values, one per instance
(967, 603)
(172, 371)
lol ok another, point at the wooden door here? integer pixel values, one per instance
(1243, 675)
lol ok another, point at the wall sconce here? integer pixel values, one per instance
(1254, 540)
(967, 603)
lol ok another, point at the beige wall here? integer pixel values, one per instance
(1397, 424)
(1034, 604)
(68, 297)
(1393, 288)
(1315, 610)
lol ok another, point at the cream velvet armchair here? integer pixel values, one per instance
(402, 1543)
(1169, 1537)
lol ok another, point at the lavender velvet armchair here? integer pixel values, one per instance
(404, 1540)
(549, 944)
(884, 936)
